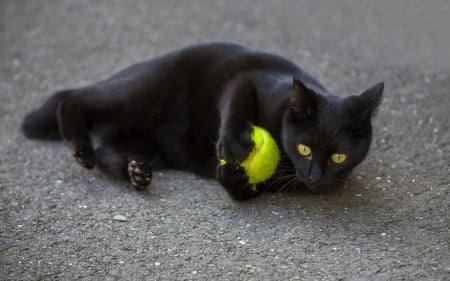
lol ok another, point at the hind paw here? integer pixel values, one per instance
(85, 157)
(140, 174)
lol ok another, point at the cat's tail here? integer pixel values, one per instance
(42, 123)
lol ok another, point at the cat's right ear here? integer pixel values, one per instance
(364, 107)
(303, 102)
(370, 100)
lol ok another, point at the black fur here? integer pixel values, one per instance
(186, 109)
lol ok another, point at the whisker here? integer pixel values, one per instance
(293, 184)
(288, 180)
(285, 178)
(286, 186)
(281, 179)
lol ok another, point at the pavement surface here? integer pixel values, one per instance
(390, 222)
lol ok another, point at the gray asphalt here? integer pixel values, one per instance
(390, 222)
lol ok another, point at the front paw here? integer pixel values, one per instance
(235, 147)
(235, 181)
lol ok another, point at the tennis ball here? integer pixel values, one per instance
(262, 161)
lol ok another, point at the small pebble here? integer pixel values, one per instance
(120, 218)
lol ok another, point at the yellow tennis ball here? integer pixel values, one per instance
(262, 161)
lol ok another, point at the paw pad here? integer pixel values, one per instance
(140, 174)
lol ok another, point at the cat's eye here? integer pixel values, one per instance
(304, 150)
(338, 158)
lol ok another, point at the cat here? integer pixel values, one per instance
(188, 108)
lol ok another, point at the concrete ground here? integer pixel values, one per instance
(390, 222)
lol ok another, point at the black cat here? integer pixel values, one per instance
(186, 109)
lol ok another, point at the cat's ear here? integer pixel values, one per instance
(303, 102)
(365, 106)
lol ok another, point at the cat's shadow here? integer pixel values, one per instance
(352, 202)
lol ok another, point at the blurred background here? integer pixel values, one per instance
(115, 33)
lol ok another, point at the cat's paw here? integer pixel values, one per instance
(234, 179)
(85, 156)
(140, 174)
(235, 147)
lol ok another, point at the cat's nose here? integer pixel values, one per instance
(314, 176)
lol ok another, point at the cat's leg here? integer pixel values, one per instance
(128, 159)
(237, 111)
(74, 126)
(88, 109)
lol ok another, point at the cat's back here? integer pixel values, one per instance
(218, 63)
(212, 50)
(231, 58)
(214, 62)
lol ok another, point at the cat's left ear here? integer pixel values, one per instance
(365, 105)
(303, 102)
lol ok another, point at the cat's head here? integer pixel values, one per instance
(325, 137)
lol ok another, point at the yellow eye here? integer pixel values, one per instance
(338, 158)
(304, 150)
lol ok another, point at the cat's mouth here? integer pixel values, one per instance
(316, 186)
(321, 187)
(289, 178)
